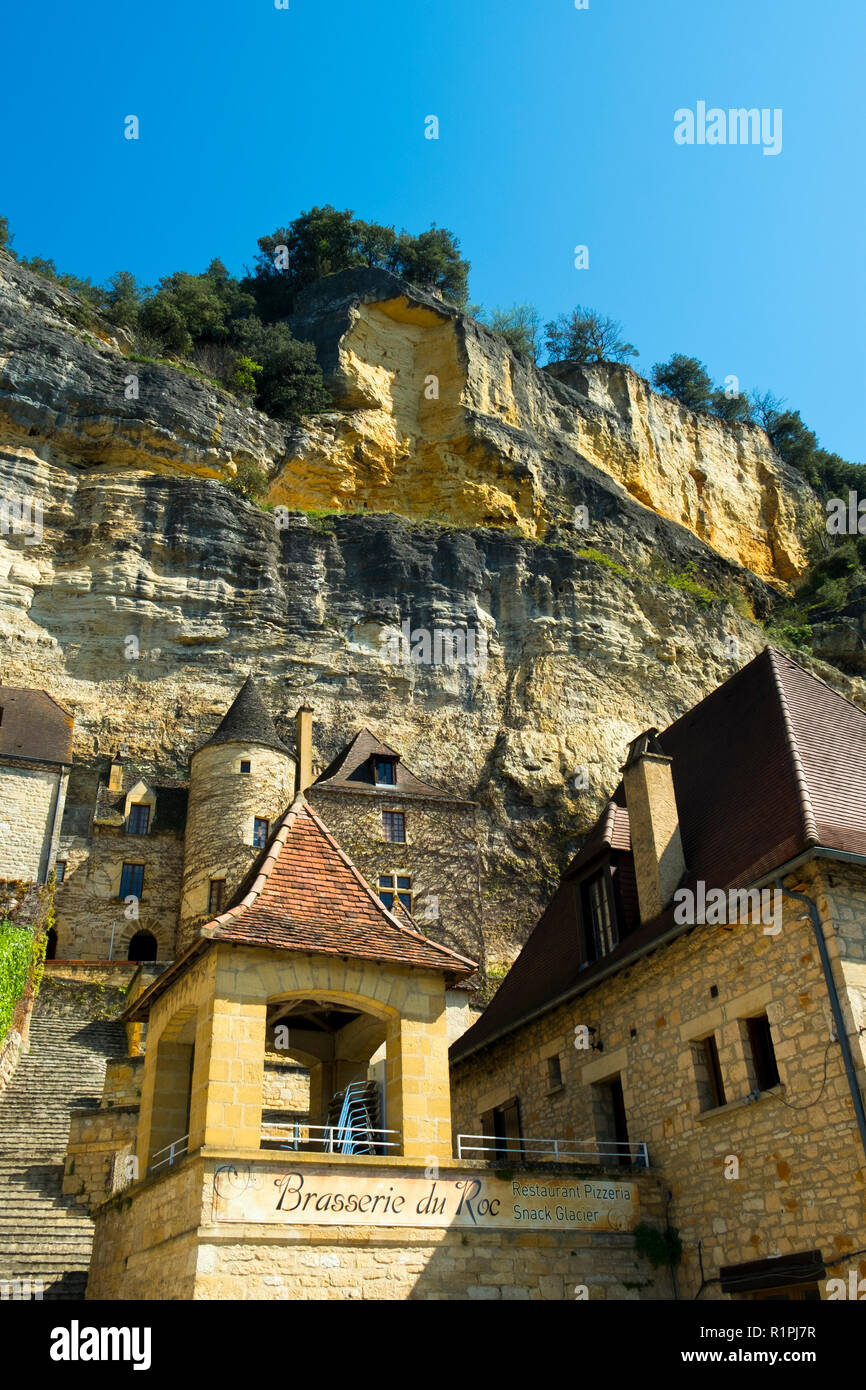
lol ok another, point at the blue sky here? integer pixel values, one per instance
(556, 129)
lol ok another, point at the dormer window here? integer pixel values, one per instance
(138, 821)
(385, 770)
(597, 920)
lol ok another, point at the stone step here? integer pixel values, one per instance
(42, 1233)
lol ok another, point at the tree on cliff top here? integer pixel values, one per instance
(586, 336)
(324, 241)
(684, 379)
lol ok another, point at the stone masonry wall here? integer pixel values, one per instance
(88, 902)
(160, 1241)
(26, 818)
(757, 1177)
(95, 1137)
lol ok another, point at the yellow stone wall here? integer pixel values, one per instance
(160, 1240)
(206, 1046)
(802, 1172)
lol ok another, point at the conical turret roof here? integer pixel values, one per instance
(248, 721)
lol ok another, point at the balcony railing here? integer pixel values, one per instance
(173, 1152)
(605, 1153)
(345, 1139)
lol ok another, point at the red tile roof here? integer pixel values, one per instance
(769, 766)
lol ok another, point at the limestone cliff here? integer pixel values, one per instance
(591, 634)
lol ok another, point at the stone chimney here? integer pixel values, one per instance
(115, 774)
(304, 748)
(654, 822)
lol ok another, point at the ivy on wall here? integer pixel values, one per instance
(16, 954)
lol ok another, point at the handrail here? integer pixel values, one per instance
(332, 1136)
(173, 1150)
(560, 1150)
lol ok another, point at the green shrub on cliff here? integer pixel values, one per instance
(584, 335)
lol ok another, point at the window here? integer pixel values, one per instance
(554, 1073)
(245, 765)
(502, 1125)
(599, 930)
(260, 832)
(711, 1088)
(386, 772)
(394, 825)
(766, 1071)
(60, 871)
(216, 894)
(131, 881)
(396, 885)
(138, 820)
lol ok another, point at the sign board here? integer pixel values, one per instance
(331, 1196)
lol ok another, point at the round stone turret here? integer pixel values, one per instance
(240, 783)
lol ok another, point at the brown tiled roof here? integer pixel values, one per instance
(351, 770)
(308, 896)
(768, 766)
(34, 726)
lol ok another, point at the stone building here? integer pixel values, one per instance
(413, 842)
(694, 996)
(35, 759)
(140, 869)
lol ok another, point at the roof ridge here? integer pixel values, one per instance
(786, 656)
(805, 797)
(272, 854)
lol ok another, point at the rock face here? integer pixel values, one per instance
(152, 590)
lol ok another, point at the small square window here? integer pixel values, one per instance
(260, 832)
(245, 765)
(554, 1073)
(60, 871)
(138, 820)
(394, 825)
(393, 886)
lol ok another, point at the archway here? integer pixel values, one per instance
(341, 1047)
(51, 945)
(142, 947)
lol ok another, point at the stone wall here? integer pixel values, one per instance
(95, 1138)
(27, 814)
(440, 855)
(161, 1240)
(766, 1174)
(223, 805)
(89, 908)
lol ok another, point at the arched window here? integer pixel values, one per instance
(142, 946)
(51, 946)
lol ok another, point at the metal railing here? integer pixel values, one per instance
(608, 1153)
(175, 1150)
(346, 1139)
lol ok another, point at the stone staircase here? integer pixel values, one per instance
(44, 1235)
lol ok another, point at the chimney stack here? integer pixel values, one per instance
(656, 845)
(115, 774)
(304, 748)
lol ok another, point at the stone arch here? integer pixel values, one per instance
(143, 946)
(137, 925)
